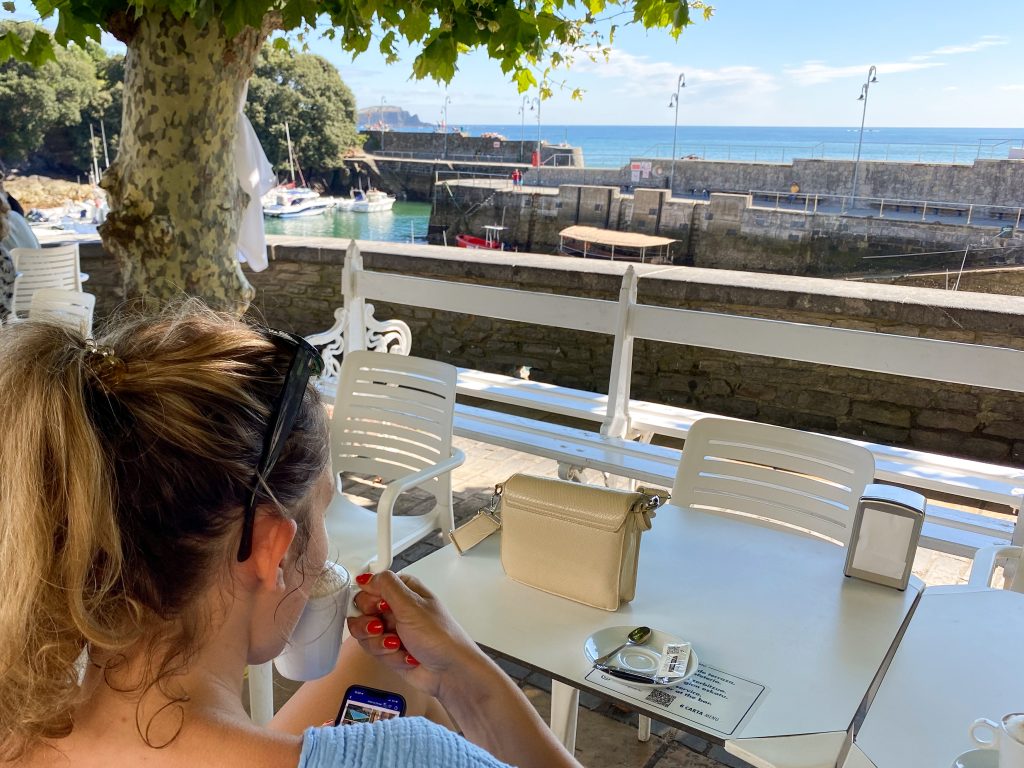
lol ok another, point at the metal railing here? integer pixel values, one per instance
(974, 214)
(963, 154)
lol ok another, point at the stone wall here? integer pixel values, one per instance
(461, 146)
(985, 182)
(301, 289)
(727, 231)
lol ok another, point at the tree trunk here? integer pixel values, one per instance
(175, 201)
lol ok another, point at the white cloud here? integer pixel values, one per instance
(817, 72)
(986, 41)
(1012, 87)
(663, 75)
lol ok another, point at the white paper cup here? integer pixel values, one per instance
(1007, 736)
(312, 651)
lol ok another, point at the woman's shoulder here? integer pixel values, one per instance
(404, 742)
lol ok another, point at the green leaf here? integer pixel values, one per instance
(11, 46)
(281, 44)
(8, 6)
(40, 49)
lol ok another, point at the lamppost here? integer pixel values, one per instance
(535, 104)
(863, 97)
(383, 101)
(444, 112)
(522, 133)
(674, 102)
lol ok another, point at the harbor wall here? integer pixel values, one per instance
(726, 231)
(460, 146)
(302, 288)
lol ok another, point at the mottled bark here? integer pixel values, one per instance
(175, 201)
(4, 210)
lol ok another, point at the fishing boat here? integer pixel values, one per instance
(491, 240)
(370, 201)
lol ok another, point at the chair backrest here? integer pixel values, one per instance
(71, 308)
(811, 482)
(56, 267)
(392, 414)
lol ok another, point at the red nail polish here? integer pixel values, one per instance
(411, 660)
(363, 578)
(383, 606)
(392, 643)
(375, 627)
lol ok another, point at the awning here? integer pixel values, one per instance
(614, 238)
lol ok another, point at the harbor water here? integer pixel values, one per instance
(405, 222)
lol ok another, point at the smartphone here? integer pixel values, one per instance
(368, 705)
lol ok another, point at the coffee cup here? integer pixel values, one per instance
(312, 650)
(1007, 736)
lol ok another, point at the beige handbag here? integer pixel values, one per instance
(577, 541)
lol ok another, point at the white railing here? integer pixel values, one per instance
(624, 319)
(975, 214)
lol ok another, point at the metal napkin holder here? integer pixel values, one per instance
(885, 534)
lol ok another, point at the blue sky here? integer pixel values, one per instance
(783, 62)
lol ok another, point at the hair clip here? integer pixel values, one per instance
(106, 366)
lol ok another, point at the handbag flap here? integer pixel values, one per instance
(602, 508)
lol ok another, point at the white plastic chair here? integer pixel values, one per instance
(798, 479)
(792, 478)
(38, 268)
(71, 308)
(392, 423)
(987, 559)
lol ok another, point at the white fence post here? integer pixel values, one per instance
(616, 421)
(355, 302)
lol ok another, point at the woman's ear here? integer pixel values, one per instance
(272, 538)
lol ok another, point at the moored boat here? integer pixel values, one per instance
(370, 201)
(297, 201)
(491, 241)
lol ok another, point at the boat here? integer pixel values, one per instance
(289, 203)
(491, 240)
(595, 243)
(370, 201)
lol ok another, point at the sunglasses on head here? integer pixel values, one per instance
(306, 362)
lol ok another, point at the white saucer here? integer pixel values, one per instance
(978, 758)
(641, 659)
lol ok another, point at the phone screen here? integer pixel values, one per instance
(368, 705)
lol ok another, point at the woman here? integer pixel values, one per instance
(161, 520)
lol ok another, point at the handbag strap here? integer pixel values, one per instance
(468, 535)
(646, 506)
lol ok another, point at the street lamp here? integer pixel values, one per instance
(444, 112)
(383, 101)
(522, 133)
(863, 97)
(535, 104)
(674, 102)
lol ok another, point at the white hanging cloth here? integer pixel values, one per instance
(256, 176)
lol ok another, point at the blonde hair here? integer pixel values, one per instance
(125, 465)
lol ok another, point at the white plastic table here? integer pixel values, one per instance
(766, 605)
(959, 660)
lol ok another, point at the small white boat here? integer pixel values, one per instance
(297, 201)
(370, 201)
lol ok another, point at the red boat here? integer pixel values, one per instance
(491, 240)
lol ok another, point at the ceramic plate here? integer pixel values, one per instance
(641, 659)
(976, 758)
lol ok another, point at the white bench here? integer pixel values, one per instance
(621, 446)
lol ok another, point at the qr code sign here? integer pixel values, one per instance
(660, 697)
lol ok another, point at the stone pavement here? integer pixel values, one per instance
(606, 733)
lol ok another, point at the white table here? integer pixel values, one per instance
(961, 659)
(763, 604)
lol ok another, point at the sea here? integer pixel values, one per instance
(612, 146)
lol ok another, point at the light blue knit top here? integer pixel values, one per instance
(403, 742)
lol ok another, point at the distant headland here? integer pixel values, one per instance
(390, 118)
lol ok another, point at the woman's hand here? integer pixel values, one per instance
(408, 629)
